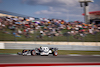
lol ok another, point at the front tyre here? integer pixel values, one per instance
(33, 52)
(55, 53)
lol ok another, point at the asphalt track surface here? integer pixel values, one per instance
(47, 59)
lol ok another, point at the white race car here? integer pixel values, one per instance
(40, 51)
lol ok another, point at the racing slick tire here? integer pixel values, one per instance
(33, 53)
(24, 51)
(55, 53)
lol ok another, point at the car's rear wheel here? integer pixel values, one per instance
(23, 51)
(55, 53)
(33, 52)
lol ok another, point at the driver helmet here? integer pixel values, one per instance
(40, 47)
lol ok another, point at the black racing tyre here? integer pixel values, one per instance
(23, 51)
(33, 52)
(55, 53)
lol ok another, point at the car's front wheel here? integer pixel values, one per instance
(33, 52)
(55, 53)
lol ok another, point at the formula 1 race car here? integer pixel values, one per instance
(40, 51)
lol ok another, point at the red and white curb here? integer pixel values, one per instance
(53, 65)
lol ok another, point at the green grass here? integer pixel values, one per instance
(65, 52)
(87, 38)
(8, 51)
(60, 52)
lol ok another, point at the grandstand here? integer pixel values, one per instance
(94, 17)
(32, 29)
(11, 14)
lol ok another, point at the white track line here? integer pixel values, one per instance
(70, 55)
(75, 55)
(13, 54)
(81, 55)
(95, 55)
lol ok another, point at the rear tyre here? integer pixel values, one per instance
(23, 51)
(55, 53)
(33, 52)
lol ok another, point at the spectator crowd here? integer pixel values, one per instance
(27, 27)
